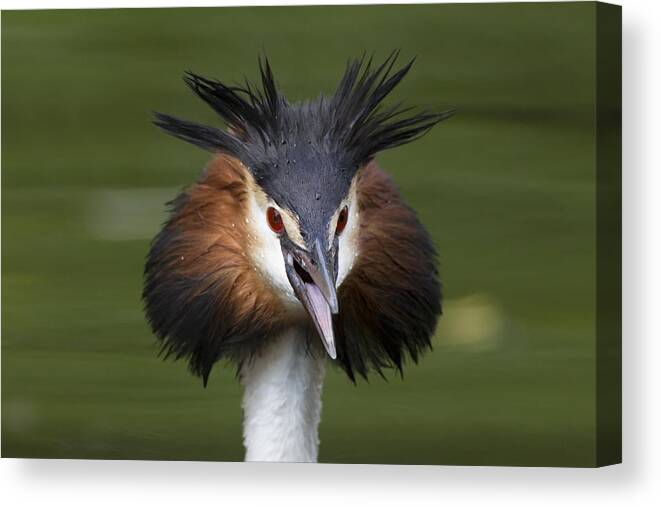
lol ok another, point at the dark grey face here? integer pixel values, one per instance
(302, 176)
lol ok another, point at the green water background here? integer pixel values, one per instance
(506, 189)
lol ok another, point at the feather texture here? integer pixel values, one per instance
(206, 302)
(349, 127)
(391, 300)
(204, 295)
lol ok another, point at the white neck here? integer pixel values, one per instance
(282, 400)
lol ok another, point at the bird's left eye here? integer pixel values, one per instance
(342, 219)
(275, 220)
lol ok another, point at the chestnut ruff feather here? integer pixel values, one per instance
(391, 300)
(203, 297)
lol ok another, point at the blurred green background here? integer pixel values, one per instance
(507, 189)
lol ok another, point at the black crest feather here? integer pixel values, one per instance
(351, 125)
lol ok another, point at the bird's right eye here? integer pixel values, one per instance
(342, 219)
(275, 220)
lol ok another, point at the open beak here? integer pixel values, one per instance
(311, 276)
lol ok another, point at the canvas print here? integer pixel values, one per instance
(313, 243)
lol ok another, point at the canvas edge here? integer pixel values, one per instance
(608, 139)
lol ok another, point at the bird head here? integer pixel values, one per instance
(302, 217)
(300, 166)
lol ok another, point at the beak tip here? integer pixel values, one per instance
(332, 352)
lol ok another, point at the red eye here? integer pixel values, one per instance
(275, 220)
(342, 219)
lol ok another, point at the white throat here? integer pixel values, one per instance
(282, 400)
